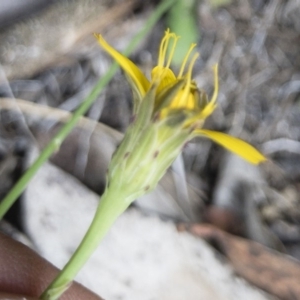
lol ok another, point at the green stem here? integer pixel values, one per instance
(111, 206)
(109, 209)
(55, 143)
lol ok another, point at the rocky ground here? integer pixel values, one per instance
(53, 67)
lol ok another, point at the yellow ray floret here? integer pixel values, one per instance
(234, 145)
(135, 74)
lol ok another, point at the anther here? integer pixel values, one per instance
(185, 60)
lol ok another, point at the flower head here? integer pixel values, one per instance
(174, 93)
(169, 110)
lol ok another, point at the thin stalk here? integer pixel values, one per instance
(56, 142)
(109, 209)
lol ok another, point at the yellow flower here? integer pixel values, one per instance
(162, 74)
(174, 100)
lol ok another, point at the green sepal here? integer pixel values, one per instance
(156, 149)
(178, 140)
(176, 118)
(135, 175)
(135, 129)
(170, 149)
(145, 110)
(137, 96)
(145, 146)
(166, 96)
(201, 99)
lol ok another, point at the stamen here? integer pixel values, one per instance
(162, 47)
(209, 108)
(166, 45)
(185, 60)
(216, 84)
(175, 40)
(187, 87)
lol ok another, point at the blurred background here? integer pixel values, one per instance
(49, 62)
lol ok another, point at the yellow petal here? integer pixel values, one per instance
(137, 77)
(164, 75)
(234, 145)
